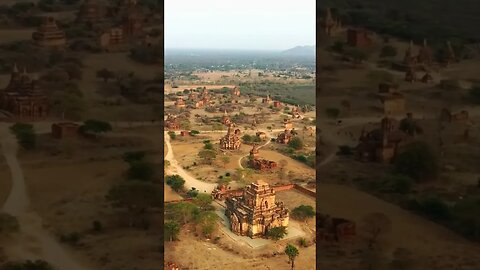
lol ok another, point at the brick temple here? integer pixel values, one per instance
(23, 97)
(256, 211)
(258, 163)
(89, 12)
(49, 35)
(382, 144)
(231, 141)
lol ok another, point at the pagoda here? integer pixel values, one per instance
(255, 212)
(23, 97)
(231, 141)
(89, 12)
(48, 34)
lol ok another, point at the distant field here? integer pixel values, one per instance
(301, 94)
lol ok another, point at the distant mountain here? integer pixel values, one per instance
(300, 51)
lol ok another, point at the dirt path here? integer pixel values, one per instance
(33, 241)
(175, 168)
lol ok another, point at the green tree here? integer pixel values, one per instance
(246, 138)
(137, 197)
(207, 155)
(171, 230)
(95, 126)
(398, 183)
(277, 233)
(192, 193)
(175, 181)
(134, 156)
(68, 104)
(182, 212)
(292, 253)
(208, 145)
(172, 135)
(25, 135)
(225, 160)
(296, 143)
(303, 212)
(416, 161)
(203, 200)
(206, 222)
(141, 170)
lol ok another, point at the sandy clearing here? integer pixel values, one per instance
(409, 230)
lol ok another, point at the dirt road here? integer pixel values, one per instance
(175, 168)
(33, 241)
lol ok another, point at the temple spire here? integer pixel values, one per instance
(15, 68)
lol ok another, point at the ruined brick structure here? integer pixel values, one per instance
(335, 229)
(89, 12)
(287, 124)
(358, 37)
(277, 104)
(382, 144)
(64, 130)
(425, 55)
(255, 212)
(180, 103)
(236, 91)
(172, 122)
(258, 163)
(132, 21)
(113, 39)
(23, 97)
(48, 34)
(447, 116)
(266, 100)
(262, 135)
(231, 141)
(226, 119)
(329, 25)
(286, 136)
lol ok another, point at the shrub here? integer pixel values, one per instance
(417, 162)
(175, 181)
(296, 143)
(277, 233)
(303, 212)
(398, 183)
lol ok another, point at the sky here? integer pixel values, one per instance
(239, 24)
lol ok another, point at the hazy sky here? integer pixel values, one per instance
(239, 24)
